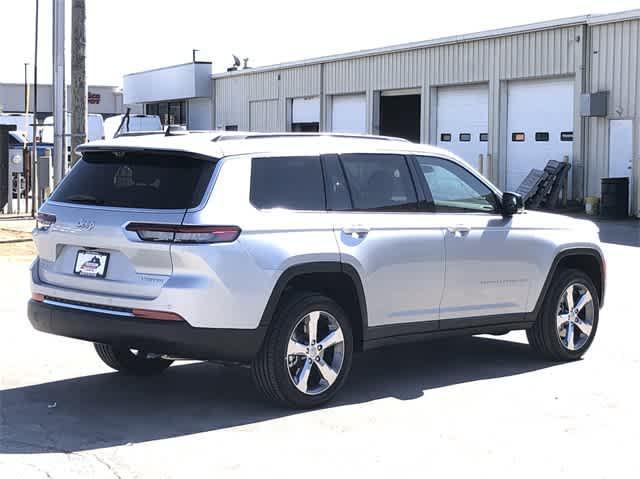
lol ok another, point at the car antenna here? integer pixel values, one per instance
(124, 118)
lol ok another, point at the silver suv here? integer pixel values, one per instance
(290, 253)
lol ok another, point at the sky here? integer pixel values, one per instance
(125, 36)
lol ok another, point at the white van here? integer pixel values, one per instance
(137, 122)
(24, 123)
(95, 128)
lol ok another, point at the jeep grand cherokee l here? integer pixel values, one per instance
(290, 253)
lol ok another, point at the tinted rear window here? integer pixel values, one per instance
(294, 183)
(150, 180)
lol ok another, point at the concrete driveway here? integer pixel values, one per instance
(476, 407)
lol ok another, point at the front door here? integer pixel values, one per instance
(397, 249)
(487, 265)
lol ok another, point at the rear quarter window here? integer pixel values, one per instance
(145, 180)
(293, 183)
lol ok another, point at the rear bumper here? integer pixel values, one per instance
(164, 337)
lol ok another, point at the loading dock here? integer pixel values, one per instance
(305, 114)
(400, 114)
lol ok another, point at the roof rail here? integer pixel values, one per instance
(262, 136)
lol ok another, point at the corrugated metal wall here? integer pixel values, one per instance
(552, 53)
(614, 67)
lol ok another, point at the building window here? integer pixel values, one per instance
(170, 113)
(484, 137)
(566, 136)
(445, 137)
(465, 137)
(542, 136)
(231, 128)
(517, 137)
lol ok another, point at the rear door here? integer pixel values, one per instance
(101, 195)
(397, 249)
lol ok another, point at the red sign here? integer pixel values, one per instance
(94, 98)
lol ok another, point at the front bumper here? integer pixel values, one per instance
(173, 338)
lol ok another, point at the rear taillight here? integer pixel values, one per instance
(184, 233)
(44, 221)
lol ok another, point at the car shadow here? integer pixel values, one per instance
(111, 409)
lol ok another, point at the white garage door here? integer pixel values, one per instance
(539, 126)
(305, 110)
(463, 121)
(349, 114)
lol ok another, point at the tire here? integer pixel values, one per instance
(279, 375)
(547, 336)
(123, 360)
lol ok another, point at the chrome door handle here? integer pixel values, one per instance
(459, 230)
(357, 231)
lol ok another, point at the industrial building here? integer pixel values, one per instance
(507, 100)
(106, 100)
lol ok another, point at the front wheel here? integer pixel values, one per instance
(307, 353)
(568, 320)
(130, 361)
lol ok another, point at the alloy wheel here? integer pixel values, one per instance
(315, 353)
(574, 317)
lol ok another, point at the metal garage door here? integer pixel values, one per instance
(463, 122)
(263, 115)
(305, 114)
(349, 114)
(539, 126)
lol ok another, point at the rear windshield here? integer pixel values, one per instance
(151, 180)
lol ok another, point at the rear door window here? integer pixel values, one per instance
(137, 179)
(379, 182)
(293, 183)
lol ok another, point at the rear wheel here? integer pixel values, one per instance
(568, 320)
(130, 361)
(307, 354)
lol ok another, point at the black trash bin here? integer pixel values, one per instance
(614, 202)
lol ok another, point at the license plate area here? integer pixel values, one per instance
(91, 263)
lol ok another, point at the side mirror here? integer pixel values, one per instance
(512, 204)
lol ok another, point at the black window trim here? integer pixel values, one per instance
(425, 185)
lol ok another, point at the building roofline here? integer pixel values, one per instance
(166, 68)
(544, 25)
(21, 84)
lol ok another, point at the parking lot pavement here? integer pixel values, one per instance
(474, 406)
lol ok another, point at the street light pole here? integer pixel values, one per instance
(34, 141)
(59, 94)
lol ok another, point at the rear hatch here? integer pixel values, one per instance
(82, 239)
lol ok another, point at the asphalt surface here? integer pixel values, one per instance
(476, 407)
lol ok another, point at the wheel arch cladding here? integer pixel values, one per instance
(584, 259)
(339, 281)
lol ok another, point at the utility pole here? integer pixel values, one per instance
(59, 94)
(78, 77)
(34, 140)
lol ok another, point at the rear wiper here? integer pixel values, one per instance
(85, 199)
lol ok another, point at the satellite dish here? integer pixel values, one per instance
(236, 61)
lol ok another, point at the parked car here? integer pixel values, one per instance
(136, 122)
(95, 128)
(290, 253)
(23, 123)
